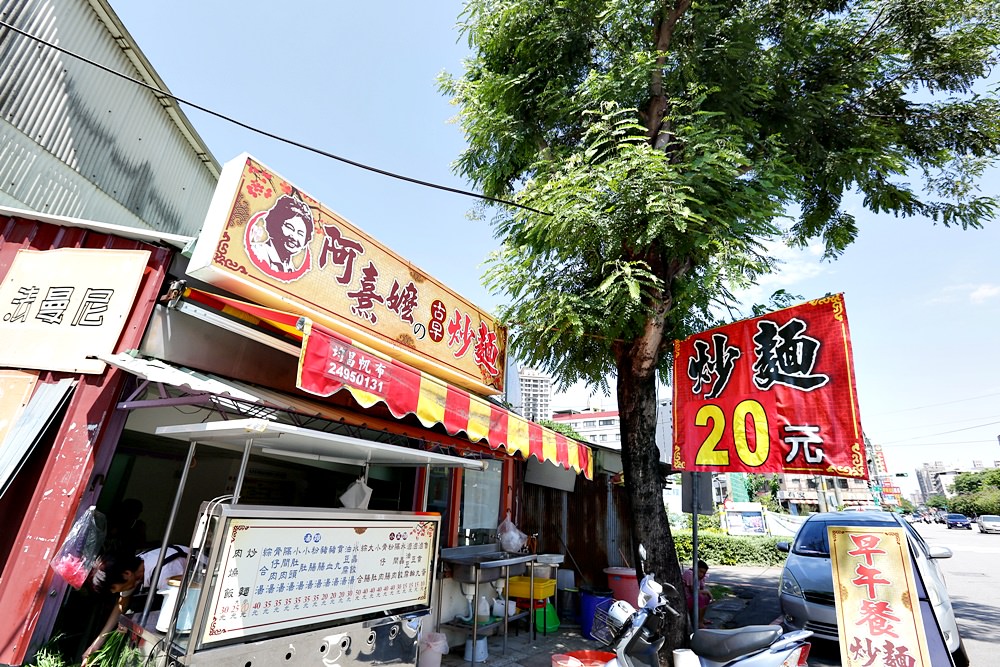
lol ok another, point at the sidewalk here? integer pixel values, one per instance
(751, 599)
(523, 651)
(752, 596)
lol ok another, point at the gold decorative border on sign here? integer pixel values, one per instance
(836, 300)
(857, 467)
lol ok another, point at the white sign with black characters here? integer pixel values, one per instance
(60, 308)
(276, 574)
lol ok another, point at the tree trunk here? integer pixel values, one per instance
(644, 483)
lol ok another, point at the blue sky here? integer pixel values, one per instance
(358, 80)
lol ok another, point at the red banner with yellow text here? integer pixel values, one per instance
(772, 394)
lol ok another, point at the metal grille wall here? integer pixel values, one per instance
(590, 525)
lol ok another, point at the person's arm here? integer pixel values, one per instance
(109, 626)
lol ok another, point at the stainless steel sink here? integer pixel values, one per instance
(466, 561)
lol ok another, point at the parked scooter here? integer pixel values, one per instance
(636, 636)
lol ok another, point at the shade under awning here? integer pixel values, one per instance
(271, 438)
(329, 362)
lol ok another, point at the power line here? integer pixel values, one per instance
(951, 421)
(934, 405)
(934, 435)
(271, 135)
(936, 444)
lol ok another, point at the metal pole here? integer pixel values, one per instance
(695, 507)
(243, 472)
(475, 619)
(166, 534)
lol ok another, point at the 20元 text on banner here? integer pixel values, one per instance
(771, 394)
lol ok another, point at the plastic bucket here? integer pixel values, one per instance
(623, 583)
(569, 602)
(563, 660)
(588, 605)
(592, 658)
(546, 618)
(482, 651)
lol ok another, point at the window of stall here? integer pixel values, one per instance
(478, 496)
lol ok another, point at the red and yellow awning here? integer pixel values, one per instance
(329, 362)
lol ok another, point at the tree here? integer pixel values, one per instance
(764, 489)
(967, 482)
(653, 146)
(565, 429)
(937, 501)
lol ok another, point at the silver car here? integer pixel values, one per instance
(806, 586)
(989, 523)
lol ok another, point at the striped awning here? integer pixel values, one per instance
(330, 362)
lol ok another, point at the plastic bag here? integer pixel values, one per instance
(79, 552)
(511, 539)
(434, 641)
(357, 495)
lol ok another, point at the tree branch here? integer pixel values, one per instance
(666, 22)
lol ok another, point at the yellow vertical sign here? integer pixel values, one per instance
(878, 610)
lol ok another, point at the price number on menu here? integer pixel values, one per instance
(710, 453)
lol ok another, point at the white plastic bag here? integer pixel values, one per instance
(434, 641)
(357, 495)
(511, 539)
(432, 646)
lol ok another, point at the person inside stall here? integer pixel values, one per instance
(127, 575)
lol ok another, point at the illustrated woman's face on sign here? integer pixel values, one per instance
(293, 236)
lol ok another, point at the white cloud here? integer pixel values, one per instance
(796, 265)
(983, 293)
(974, 292)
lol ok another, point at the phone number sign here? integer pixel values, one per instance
(772, 394)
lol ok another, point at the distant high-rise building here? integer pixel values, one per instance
(603, 427)
(536, 394)
(937, 478)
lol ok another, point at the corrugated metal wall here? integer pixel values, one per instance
(81, 142)
(590, 525)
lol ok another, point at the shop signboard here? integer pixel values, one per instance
(746, 519)
(266, 240)
(279, 574)
(63, 307)
(876, 598)
(771, 394)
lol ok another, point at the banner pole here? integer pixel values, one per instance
(695, 511)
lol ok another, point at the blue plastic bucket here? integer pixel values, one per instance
(588, 605)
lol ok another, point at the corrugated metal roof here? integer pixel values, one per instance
(78, 141)
(174, 240)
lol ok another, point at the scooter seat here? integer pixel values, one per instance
(726, 645)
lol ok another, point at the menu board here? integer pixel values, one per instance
(276, 574)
